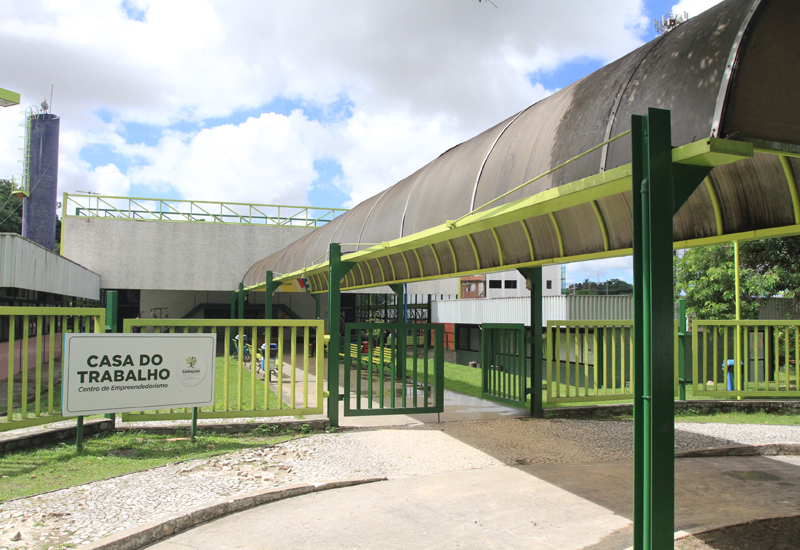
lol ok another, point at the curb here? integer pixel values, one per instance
(768, 449)
(45, 436)
(148, 533)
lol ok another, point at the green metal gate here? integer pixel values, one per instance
(503, 352)
(393, 368)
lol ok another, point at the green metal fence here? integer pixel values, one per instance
(766, 353)
(251, 378)
(30, 360)
(503, 351)
(393, 368)
(589, 361)
(104, 206)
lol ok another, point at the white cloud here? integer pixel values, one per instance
(611, 268)
(263, 160)
(421, 76)
(693, 7)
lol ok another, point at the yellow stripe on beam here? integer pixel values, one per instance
(558, 234)
(712, 191)
(787, 170)
(499, 247)
(453, 252)
(438, 261)
(530, 240)
(475, 250)
(602, 223)
(419, 262)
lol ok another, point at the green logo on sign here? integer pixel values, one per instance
(191, 361)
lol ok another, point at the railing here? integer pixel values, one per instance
(589, 361)
(30, 360)
(282, 378)
(128, 208)
(766, 353)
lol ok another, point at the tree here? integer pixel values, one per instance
(10, 209)
(11, 213)
(706, 276)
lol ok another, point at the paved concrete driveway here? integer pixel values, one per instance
(545, 506)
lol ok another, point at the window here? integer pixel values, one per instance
(495, 283)
(549, 285)
(511, 284)
(468, 338)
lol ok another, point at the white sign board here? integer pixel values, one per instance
(106, 373)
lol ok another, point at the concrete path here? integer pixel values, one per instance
(543, 506)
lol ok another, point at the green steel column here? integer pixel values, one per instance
(240, 300)
(317, 300)
(654, 432)
(338, 269)
(111, 325)
(534, 276)
(268, 296)
(681, 349)
(737, 276)
(111, 311)
(233, 304)
(399, 290)
(638, 169)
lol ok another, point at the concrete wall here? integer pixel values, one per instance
(25, 264)
(171, 255)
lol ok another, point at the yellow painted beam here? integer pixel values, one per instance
(475, 251)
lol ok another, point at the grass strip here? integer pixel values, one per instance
(29, 472)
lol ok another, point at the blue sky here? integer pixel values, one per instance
(294, 103)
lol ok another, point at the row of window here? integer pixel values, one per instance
(499, 283)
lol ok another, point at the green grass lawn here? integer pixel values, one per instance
(30, 472)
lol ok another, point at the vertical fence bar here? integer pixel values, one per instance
(549, 361)
(403, 377)
(279, 368)
(427, 345)
(38, 384)
(293, 382)
(776, 369)
(695, 354)
(51, 364)
(746, 357)
(416, 363)
(306, 353)
(240, 349)
(253, 367)
(715, 365)
(614, 362)
(796, 357)
(24, 396)
(12, 326)
(267, 359)
(227, 365)
(786, 356)
(381, 350)
(557, 353)
(370, 361)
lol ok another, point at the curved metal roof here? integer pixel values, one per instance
(726, 73)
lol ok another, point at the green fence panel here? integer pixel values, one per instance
(393, 368)
(263, 368)
(31, 340)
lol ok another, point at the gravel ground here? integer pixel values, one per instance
(84, 513)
